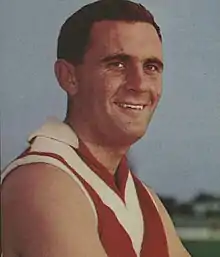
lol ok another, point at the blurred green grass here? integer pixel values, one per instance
(203, 248)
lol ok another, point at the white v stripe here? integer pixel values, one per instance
(129, 215)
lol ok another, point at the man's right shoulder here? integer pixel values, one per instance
(40, 178)
(40, 199)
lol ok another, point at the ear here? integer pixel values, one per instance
(65, 74)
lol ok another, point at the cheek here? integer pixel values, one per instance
(90, 86)
(113, 83)
(159, 92)
(158, 86)
(110, 84)
(156, 91)
(99, 88)
(99, 92)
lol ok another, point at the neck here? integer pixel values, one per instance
(108, 155)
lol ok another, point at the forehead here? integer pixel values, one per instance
(138, 39)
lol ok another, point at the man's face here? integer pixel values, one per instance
(119, 81)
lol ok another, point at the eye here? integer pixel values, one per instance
(116, 65)
(151, 68)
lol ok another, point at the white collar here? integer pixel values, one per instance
(58, 130)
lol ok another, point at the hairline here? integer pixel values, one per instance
(89, 42)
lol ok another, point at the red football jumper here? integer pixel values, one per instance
(128, 221)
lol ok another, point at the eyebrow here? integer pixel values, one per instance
(116, 56)
(126, 57)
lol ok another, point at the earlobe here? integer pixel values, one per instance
(65, 74)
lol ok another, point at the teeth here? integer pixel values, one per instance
(131, 106)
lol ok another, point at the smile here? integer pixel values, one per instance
(138, 107)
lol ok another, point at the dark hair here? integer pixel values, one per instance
(74, 35)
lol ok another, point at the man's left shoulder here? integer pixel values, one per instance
(175, 245)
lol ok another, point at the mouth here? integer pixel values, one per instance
(131, 106)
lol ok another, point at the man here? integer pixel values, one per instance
(71, 193)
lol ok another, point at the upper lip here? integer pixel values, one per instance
(132, 103)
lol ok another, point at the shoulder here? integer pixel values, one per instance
(174, 243)
(42, 184)
(38, 178)
(40, 200)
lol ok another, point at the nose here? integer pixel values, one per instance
(137, 80)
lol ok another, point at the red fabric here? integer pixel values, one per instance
(113, 237)
(116, 182)
(154, 241)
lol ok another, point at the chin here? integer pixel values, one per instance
(134, 135)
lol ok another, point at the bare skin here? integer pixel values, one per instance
(122, 69)
(47, 235)
(46, 214)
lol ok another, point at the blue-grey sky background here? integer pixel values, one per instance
(180, 154)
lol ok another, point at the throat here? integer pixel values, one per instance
(107, 158)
